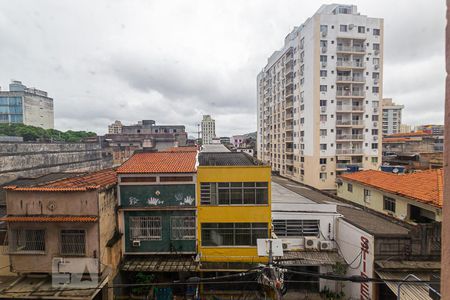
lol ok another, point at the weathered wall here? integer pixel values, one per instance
(35, 159)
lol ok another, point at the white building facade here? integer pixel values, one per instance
(208, 129)
(392, 117)
(319, 98)
(115, 128)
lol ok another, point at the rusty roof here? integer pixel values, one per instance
(46, 219)
(160, 263)
(84, 182)
(160, 162)
(425, 186)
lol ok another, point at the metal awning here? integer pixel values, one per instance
(408, 291)
(159, 263)
(310, 258)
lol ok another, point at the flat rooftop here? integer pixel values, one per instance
(226, 159)
(214, 148)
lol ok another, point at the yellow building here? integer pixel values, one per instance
(233, 209)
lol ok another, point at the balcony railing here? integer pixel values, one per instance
(289, 150)
(289, 161)
(349, 137)
(349, 151)
(289, 81)
(344, 93)
(289, 127)
(289, 104)
(343, 123)
(350, 78)
(289, 116)
(350, 64)
(342, 48)
(343, 108)
(344, 165)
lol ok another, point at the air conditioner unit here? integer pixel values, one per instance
(351, 26)
(311, 243)
(324, 33)
(375, 124)
(375, 81)
(324, 49)
(324, 64)
(326, 245)
(375, 138)
(323, 168)
(292, 244)
(136, 243)
(376, 67)
(376, 52)
(323, 109)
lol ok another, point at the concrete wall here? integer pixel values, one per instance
(376, 201)
(36, 159)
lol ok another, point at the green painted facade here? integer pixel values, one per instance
(165, 244)
(157, 195)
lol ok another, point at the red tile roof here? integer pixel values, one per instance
(425, 186)
(80, 219)
(91, 181)
(395, 140)
(160, 162)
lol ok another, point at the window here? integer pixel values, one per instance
(323, 73)
(323, 147)
(350, 187)
(145, 228)
(343, 28)
(323, 132)
(376, 75)
(323, 88)
(27, 240)
(297, 228)
(389, 204)
(374, 118)
(374, 160)
(73, 242)
(323, 58)
(376, 46)
(138, 179)
(323, 176)
(374, 146)
(233, 234)
(322, 161)
(323, 43)
(376, 31)
(175, 178)
(376, 61)
(323, 118)
(361, 29)
(182, 228)
(366, 195)
(234, 193)
(375, 89)
(323, 102)
(323, 28)
(374, 131)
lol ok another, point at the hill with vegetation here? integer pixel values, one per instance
(32, 133)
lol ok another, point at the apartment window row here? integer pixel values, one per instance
(72, 241)
(234, 193)
(233, 234)
(285, 228)
(147, 228)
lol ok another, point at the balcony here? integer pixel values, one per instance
(349, 108)
(289, 104)
(289, 93)
(350, 49)
(357, 123)
(343, 123)
(290, 162)
(346, 93)
(289, 116)
(341, 166)
(357, 151)
(289, 127)
(349, 137)
(350, 64)
(289, 150)
(289, 81)
(289, 139)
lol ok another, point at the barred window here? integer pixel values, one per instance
(233, 234)
(27, 240)
(283, 228)
(145, 228)
(234, 193)
(73, 242)
(182, 228)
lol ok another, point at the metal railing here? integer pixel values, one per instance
(350, 64)
(344, 165)
(349, 137)
(349, 151)
(343, 48)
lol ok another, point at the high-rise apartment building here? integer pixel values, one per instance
(29, 106)
(319, 98)
(392, 116)
(208, 129)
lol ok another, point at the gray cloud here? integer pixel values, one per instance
(173, 61)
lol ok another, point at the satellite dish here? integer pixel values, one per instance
(395, 170)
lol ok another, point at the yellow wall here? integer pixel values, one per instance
(232, 213)
(376, 201)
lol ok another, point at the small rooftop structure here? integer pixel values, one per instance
(425, 186)
(66, 182)
(226, 159)
(160, 162)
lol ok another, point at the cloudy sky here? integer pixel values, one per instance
(173, 61)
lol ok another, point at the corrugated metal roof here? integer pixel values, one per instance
(408, 291)
(159, 263)
(310, 258)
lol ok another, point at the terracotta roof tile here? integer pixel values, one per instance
(80, 219)
(425, 186)
(85, 182)
(160, 162)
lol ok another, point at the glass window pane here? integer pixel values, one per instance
(262, 196)
(249, 196)
(236, 196)
(224, 196)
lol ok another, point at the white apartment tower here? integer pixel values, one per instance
(319, 98)
(392, 116)
(208, 129)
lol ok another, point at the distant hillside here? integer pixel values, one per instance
(251, 135)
